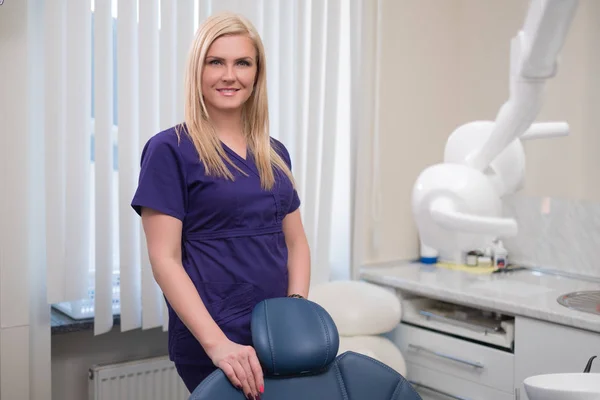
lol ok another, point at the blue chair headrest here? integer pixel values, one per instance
(293, 336)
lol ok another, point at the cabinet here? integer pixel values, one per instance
(449, 361)
(451, 367)
(543, 348)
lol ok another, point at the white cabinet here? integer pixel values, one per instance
(455, 358)
(447, 360)
(432, 384)
(544, 348)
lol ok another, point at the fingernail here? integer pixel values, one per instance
(262, 389)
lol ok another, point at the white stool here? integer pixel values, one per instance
(362, 312)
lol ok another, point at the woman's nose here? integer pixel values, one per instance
(228, 74)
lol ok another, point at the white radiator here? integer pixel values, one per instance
(147, 379)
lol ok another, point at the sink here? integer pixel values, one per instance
(569, 386)
(586, 301)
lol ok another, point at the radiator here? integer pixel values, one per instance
(147, 379)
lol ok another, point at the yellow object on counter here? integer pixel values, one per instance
(467, 268)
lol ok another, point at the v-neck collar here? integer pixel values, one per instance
(234, 152)
(248, 161)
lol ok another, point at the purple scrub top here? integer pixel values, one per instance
(233, 246)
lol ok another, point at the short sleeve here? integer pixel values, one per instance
(295, 204)
(285, 155)
(162, 183)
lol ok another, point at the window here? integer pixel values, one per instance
(340, 229)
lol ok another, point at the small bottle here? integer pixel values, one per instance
(485, 261)
(500, 255)
(428, 255)
(472, 258)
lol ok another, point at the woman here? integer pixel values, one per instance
(219, 209)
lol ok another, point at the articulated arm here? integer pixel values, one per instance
(534, 53)
(457, 205)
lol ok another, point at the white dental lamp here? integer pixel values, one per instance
(457, 205)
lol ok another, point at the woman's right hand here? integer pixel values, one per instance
(240, 364)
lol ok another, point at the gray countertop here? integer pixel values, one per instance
(518, 293)
(62, 323)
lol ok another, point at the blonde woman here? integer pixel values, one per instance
(220, 210)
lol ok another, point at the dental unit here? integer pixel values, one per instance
(457, 204)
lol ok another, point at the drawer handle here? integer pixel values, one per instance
(417, 384)
(446, 356)
(451, 321)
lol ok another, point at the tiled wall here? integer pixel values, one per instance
(558, 234)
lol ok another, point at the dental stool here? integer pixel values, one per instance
(297, 343)
(363, 313)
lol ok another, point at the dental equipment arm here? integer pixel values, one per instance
(534, 52)
(457, 204)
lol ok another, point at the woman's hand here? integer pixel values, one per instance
(241, 366)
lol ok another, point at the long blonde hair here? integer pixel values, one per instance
(255, 113)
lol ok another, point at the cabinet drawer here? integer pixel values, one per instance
(434, 385)
(456, 357)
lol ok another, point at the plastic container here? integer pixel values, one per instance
(484, 261)
(428, 255)
(500, 255)
(472, 258)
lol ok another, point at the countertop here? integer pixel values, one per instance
(62, 323)
(519, 293)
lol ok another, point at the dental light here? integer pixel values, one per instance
(457, 205)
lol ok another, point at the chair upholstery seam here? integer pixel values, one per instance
(327, 338)
(338, 374)
(397, 390)
(371, 359)
(269, 335)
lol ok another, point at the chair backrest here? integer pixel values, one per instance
(297, 343)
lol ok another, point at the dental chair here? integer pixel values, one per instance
(364, 319)
(297, 343)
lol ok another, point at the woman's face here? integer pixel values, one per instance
(229, 73)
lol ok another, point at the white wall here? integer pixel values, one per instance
(24, 316)
(445, 63)
(74, 353)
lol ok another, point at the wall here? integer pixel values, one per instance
(74, 353)
(24, 315)
(417, 109)
(446, 63)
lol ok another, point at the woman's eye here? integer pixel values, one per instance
(214, 62)
(244, 63)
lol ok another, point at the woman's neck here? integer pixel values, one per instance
(228, 124)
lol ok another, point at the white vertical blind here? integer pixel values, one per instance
(55, 128)
(286, 87)
(272, 33)
(103, 134)
(77, 148)
(153, 38)
(364, 39)
(128, 144)
(167, 73)
(301, 70)
(103, 168)
(316, 56)
(185, 33)
(329, 95)
(152, 308)
(168, 77)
